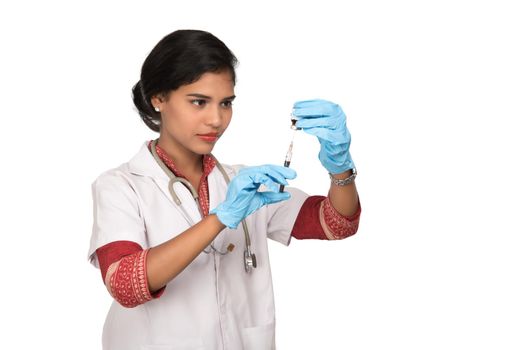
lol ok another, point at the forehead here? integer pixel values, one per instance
(218, 84)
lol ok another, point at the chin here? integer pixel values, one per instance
(203, 149)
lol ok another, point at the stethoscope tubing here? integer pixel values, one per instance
(249, 257)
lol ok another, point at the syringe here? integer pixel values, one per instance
(289, 153)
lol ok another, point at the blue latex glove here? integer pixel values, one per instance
(243, 197)
(327, 122)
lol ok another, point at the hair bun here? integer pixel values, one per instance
(148, 115)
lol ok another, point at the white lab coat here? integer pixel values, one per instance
(213, 304)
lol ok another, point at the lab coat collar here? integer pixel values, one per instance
(144, 164)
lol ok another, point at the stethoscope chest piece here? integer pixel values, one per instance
(250, 260)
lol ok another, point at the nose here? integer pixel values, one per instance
(214, 117)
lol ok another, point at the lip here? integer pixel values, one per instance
(209, 137)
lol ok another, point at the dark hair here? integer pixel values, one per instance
(180, 58)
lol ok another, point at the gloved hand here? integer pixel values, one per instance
(327, 122)
(243, 197)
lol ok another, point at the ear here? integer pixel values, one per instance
(157, 100)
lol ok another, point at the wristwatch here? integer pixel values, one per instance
(346, 181)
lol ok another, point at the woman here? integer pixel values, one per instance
(175, 240)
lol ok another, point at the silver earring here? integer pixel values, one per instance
(157, 109)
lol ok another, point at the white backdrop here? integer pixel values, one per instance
(433, 91)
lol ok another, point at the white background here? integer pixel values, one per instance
(433, 91)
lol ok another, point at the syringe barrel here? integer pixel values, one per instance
(286, 164)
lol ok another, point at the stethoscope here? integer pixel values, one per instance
(250, 260)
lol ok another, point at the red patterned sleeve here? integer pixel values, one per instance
(114, 251)
(307, 225)
(123, 267)
(336, 225)
(318, 219)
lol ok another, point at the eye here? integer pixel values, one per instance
(199, 102)
(227, 103)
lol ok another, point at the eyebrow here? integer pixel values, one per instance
(232, 97)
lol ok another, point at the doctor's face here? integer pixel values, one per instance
(195, 115)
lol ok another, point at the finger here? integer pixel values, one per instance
(279, 172)
(270, 174)
(321, 133)
(271, 180)
(242, 181)
(317, 109)
(316, 121)
(257, 175)
(328, 135)
(270, 183)
(310, 103)
(273, 197)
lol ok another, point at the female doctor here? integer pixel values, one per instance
(181, 240)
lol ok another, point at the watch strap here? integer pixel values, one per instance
(346, 181)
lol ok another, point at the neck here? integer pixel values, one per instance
(187, 162)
